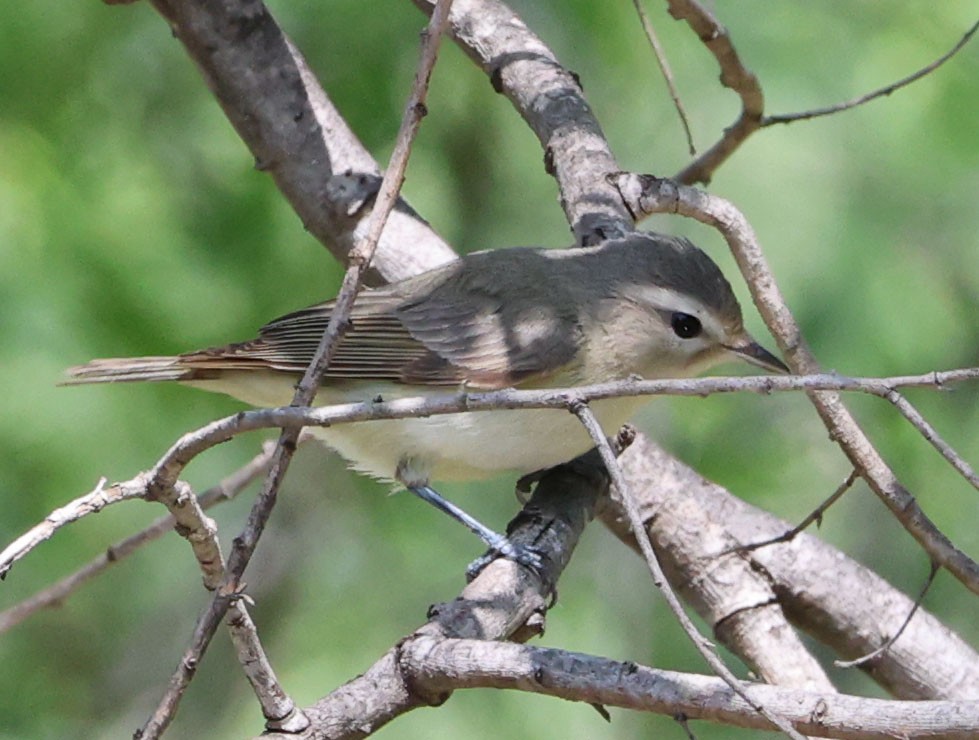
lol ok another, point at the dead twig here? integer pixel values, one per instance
(666, 71)
(879, 93)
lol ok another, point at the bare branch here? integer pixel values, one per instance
(630, 503)
(90, 503)
(550, 99)
(735, 76)
(278, 708)
(281, 112)
(909, 412)
(244, 545)
(57, 593)
(882, 92)
(696, 523)
(166, 471)
(201, 532)
(664, 68)
(360, 258)
(647, 194)
(221, 430)
(575, 676)
(815, 516)
(864, 659)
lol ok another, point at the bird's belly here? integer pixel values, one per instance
(470, 445)
(461, 446)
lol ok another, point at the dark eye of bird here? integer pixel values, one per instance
(684, 325)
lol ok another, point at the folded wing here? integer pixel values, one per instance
(443, 328)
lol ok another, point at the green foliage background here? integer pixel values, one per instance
(132, 222)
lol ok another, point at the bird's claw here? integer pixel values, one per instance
(503, 548)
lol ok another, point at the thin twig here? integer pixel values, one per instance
(884, 91)
(216, 432)
(737, 77)
(587, 417)
(360, 256)
(194, 443)
(909, 412)
(91, 503)
(664, 68)
(891, 640)
(815, 516)
(57, 593)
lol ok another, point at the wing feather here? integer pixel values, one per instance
(443, 328)
(446, 327)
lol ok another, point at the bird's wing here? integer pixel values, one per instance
(437, 339)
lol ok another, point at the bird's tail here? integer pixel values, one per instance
(130, 370)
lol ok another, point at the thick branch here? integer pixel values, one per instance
(578, 677)
(550, 99)
(695, 524)
(276, 105)
(504, 602)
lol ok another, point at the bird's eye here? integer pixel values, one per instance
(684, 325)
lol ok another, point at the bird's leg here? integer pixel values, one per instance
(497, 542)
(414, 473)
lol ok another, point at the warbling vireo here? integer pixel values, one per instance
(648, 305)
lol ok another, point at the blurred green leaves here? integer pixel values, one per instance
(133, 222)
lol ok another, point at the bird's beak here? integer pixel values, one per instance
(750, 351)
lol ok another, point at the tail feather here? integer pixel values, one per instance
(129, 370)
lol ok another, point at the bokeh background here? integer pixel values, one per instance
(133, 222)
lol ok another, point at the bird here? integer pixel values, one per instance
(647, 305)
